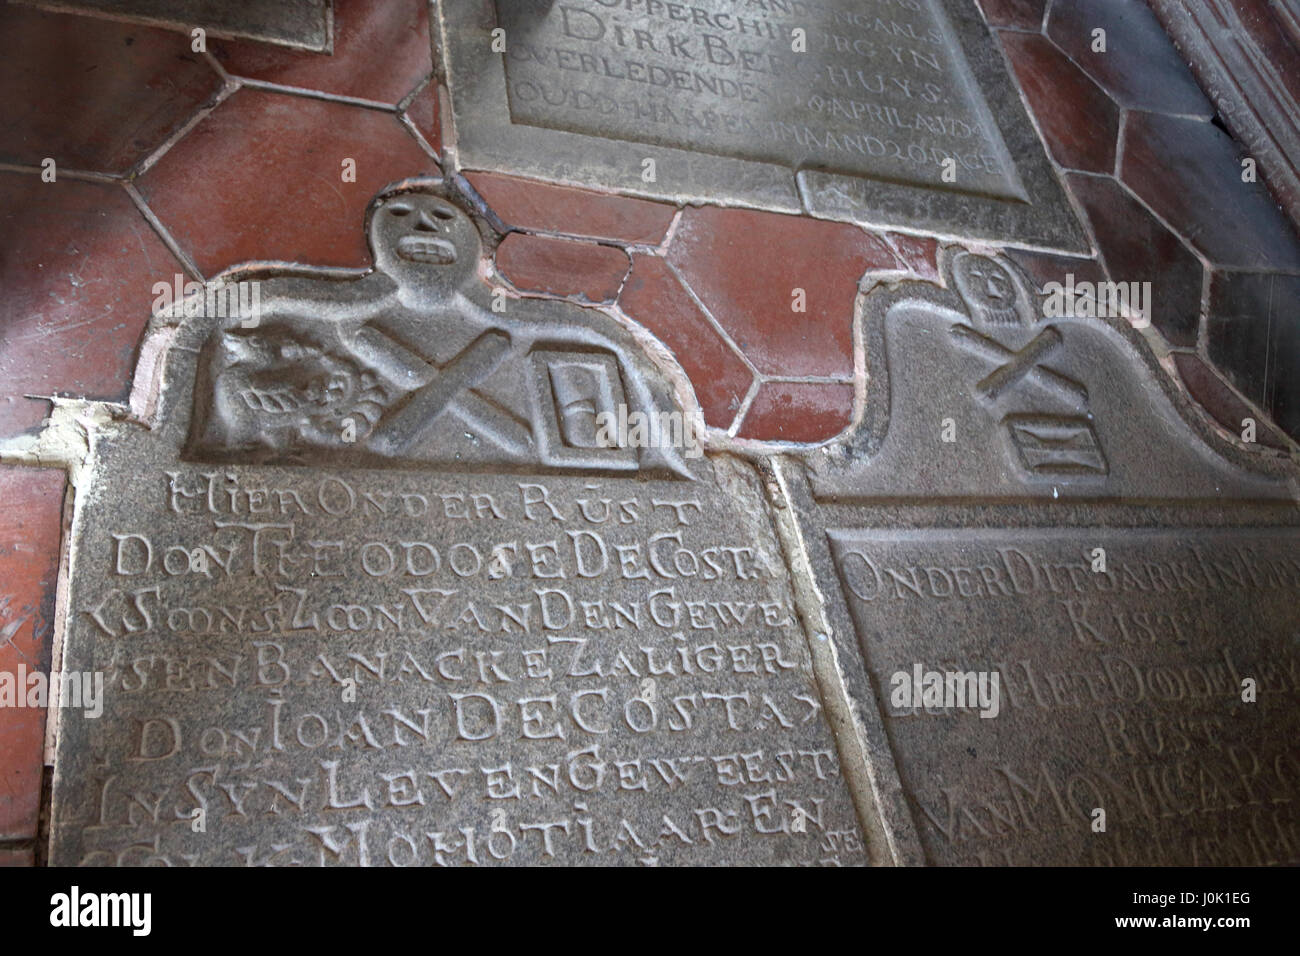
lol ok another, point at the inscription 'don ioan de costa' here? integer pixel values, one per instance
(879, 89)
(371, 592)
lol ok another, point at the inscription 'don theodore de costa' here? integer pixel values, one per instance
(874, 89)
(462, 631)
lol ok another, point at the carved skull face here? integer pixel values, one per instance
(422, 238)
(988, 290)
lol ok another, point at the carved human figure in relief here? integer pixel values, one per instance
(410, 364)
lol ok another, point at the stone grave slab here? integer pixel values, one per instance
(1027, 500)
(306, 24)
(857, 124)
(368, 586)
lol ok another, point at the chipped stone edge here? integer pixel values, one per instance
(866, 760)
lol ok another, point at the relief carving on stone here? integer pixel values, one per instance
(409, 364)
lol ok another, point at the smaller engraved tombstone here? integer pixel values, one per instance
(1064, 610)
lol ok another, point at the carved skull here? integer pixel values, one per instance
(422, 240)
(988, 289)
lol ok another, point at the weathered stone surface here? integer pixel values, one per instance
(372, 589)
(1004, 455)
(902, 116)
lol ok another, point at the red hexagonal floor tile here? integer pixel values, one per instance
(1252, 337)
(93, 94)
(1021, 14)
(653, 296)
(798, 412)
(1221, 402)
(424, 114)
(1190, 173)
(1045, 267)
(1079, 121)
(1136, 248)
(545, 207)
(261, 178)
(562, 267)
(920, 254)
(381, 53)
(747, 268)
(78, 270)
(1138, 64)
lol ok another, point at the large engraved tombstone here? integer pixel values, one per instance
(372, 587)
(1027, 499)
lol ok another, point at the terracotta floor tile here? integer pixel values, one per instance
(20, 415)
(30, 524)
(381, 52)
(93, 94)
(423, 112)
(745, 266)
(544, 207)
(78, 267)
(798, 411)
(10, 858)
(919, 253)
(562, 266)
(1190, 173)
(653, 296)
(1022, 14)
(1223, 404)
(260, 178)
(1135, 247)
(1079, 122)
(1253, 338)
(1140, 67)
(1045, 267)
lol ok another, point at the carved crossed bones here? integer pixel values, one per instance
(1018, 365)
(440, 389)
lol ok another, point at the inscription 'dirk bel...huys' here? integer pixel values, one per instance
(878, 89)
(371, 590)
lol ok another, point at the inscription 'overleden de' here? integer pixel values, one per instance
(879, 90)
(885, 112)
